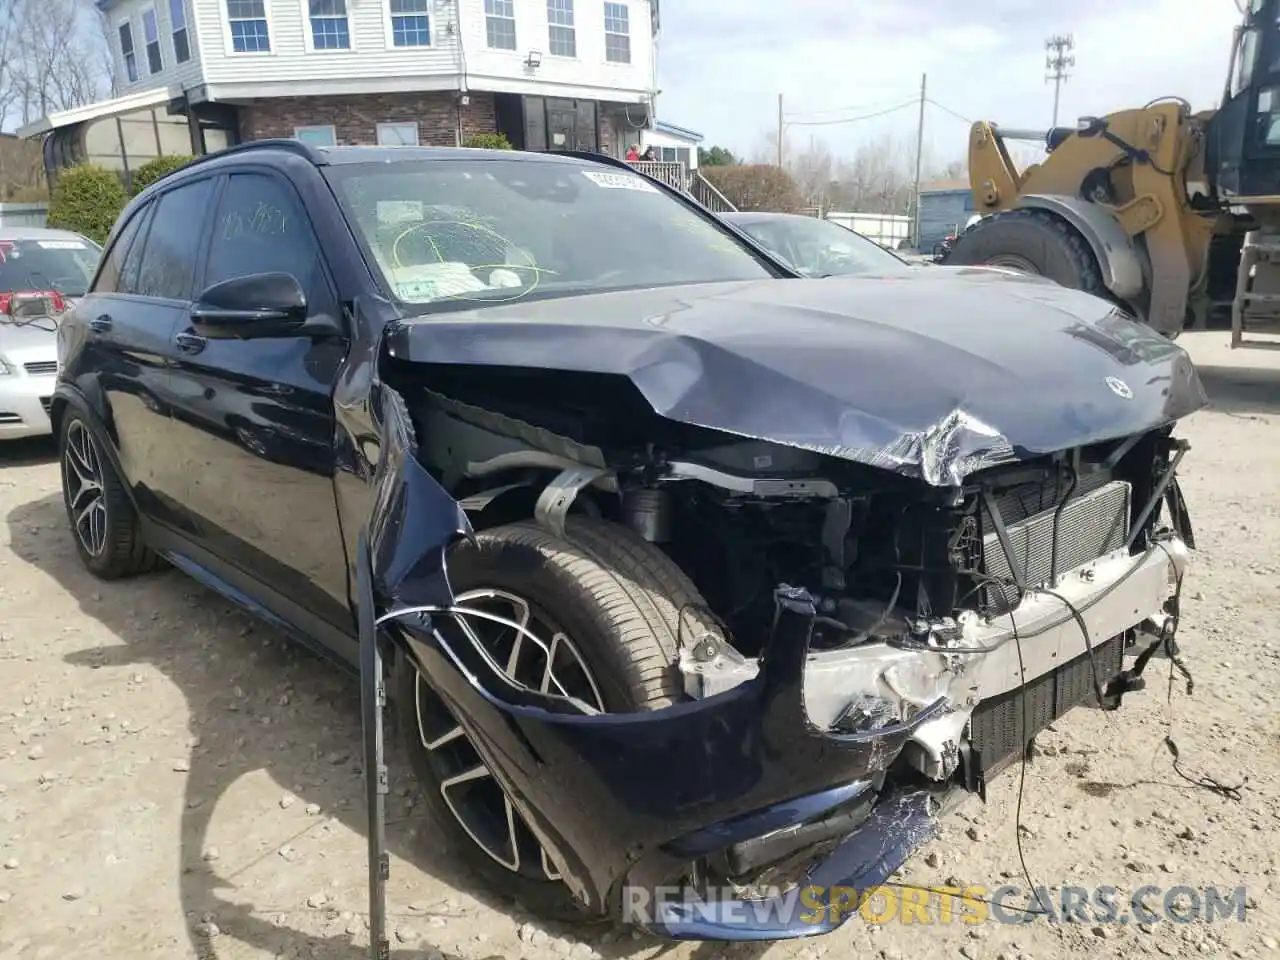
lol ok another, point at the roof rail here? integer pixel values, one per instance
(278, 143)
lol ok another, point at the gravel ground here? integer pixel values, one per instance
(175, 780)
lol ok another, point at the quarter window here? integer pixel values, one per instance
(151, 38)
(133, 258)
(562, 38)
(178, 23)
(247, 22)
(410, 25)
(113, 263)
(617, 33)
(260, 228)
(330, 29)
(127, 52)
(173, 242)
(500, 24)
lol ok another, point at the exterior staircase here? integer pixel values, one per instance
(676, 175)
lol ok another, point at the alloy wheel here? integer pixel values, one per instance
(539, 656)
(82, 467)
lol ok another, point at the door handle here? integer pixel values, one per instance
(190, 342)
(100, 324)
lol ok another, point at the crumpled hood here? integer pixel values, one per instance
(932, 373)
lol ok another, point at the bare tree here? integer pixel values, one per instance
(54, 60)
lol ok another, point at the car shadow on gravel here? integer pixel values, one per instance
(1242, 390)
(258, 702)
(28, 452)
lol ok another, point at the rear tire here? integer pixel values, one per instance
(104, 523)
(618, 600)
(1034, 241)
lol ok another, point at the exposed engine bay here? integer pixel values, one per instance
(920, 589)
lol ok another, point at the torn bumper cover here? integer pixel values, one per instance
(625, 802)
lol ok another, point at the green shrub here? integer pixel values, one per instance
(87, 199)
(487, 141)
(756, 186)
(153, 170)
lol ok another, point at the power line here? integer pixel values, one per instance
(875, 105)
(1058, 58)
(946, 109)
(914, 101)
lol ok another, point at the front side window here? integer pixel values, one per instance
(321, 136)
(58, 264)
(820, 248)
(127, 53)
(247, 22)
(260, 228)
(617, 33)
(151, 37)
(330, 29)
(500, 24)
(410, 24)
(451, 233)
(170, 250)
(178, 24)
(562, 38)
(398, 134)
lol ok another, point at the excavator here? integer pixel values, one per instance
(1170, 213)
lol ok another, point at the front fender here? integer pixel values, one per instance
(1117, 256)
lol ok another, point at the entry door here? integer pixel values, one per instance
(571, 125)
(257, 417)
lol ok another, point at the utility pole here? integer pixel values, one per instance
(924, 78)
(1058, 58)
(779, 130)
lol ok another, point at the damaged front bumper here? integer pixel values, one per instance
(780, 766)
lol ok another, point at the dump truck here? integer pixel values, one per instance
(1169, 212)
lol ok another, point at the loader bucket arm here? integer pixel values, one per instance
(993, 178)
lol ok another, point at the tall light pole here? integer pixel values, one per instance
(1058, 58)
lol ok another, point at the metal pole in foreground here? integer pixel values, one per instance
(373, 697)
(779, 130)
(924, 79)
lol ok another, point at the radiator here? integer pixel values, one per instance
(1092, 524)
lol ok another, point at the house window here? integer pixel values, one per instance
(151, 38)
(500, 24)
(330, 29)
(127, 53)
(317, 136)
(617, 33)
(562, 37)
(410, 26)
(398, 134)
(247, 20)
(178, 21)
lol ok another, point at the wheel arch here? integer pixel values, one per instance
(69, 396)
(1118, 256)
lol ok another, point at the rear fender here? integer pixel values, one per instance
(1115, 251)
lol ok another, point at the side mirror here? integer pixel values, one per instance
(256, 305)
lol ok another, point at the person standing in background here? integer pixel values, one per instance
(633, 153)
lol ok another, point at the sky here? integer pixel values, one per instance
(720, 72)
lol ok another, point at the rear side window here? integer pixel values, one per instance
(173, 242)
(113, 262)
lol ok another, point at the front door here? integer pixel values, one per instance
(257, 421)
(570, 124)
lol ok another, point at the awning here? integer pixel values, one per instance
(103, 109)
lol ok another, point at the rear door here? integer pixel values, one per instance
(130, 316)
(256, 418)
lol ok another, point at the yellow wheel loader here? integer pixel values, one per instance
(1167, 212)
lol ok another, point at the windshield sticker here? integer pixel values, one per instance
(61, 245)
(619, 181)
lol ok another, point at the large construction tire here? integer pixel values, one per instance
(615, 605)
(1033, 241)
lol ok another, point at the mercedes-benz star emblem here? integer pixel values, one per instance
(1120, 388)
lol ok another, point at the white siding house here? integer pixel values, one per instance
(547, 74)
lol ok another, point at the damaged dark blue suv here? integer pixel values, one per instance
(695, 576)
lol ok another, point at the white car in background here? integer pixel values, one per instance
(42, 273)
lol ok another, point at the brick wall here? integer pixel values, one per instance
(356, 118)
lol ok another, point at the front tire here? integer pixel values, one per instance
(612, 605)
(104, 523)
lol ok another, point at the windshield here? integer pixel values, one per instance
(820, 248)
(497, 231)
(62, 265)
